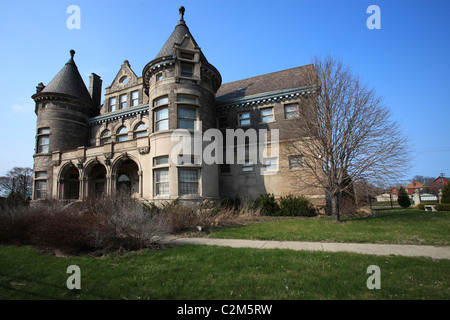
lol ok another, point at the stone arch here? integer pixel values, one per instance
(96, 175)
(127, 175)
(69, 182)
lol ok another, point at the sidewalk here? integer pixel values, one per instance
(434, 252)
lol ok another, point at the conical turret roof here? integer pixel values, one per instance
(68, 81)
(177, 36)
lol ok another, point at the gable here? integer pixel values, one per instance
(124, 79)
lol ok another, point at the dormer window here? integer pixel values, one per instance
(186, 55)
(187, 70)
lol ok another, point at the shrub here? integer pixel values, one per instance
(268, 205)
(443, 206)
(296, 206)
(403, 198)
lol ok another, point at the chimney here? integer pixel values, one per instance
(95, 88)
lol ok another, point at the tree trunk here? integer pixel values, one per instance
(335, 208)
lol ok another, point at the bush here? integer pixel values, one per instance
(295, 206)
(403, 198)
(422, 205)
(443, 206)
(268, 205)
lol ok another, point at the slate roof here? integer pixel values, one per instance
(276, 81)
(177, 36)
(68, 81)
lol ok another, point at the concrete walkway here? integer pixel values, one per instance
(434, 252)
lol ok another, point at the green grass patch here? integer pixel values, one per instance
(398, 226)
(205, 272)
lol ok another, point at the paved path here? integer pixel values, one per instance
(435, 252)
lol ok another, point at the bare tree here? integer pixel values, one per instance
(344, 132)
(17, 179)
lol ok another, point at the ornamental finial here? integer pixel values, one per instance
(72, 53)
(182, 10)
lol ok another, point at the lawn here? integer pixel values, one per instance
(220, 273)
(398, 226)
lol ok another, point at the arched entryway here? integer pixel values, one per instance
(97, 183)
(127, 177)
(70, 183)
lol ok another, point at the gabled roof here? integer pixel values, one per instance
(68, 81)
(415, 184)
(177, 36)
(276, 81)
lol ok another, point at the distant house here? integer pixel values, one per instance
(440, 182)
(414, 186)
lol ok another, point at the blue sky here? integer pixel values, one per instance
(406, 61)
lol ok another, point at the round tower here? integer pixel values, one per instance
(62, 108)
(181, 85)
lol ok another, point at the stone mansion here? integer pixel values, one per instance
(85, 146)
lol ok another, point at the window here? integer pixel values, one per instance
(112, 104)
(271, 164)
(45, 105)
(161, 161)
(188, 181)
(291, 111)
(187, 98)
(186, 118)
(43, 140)
(105, 137)
(40, 185)
(187, 70)
(295, 162)
(266, 115)
(244, 118)
(122, 134)
(161, 181)
(123, 101)
(186, 159)
(159, 77)
(162, 119)
(160, 101)
(140, 130)
(187, 55)
(247, 167)
(134, 98)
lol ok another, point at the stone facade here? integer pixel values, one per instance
(84, 148)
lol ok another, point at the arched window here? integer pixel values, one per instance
(140, 130)
(122, 134)
(105, 137)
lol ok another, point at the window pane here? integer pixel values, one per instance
(44, 130)
(122, 138)
(183, 98)
(135, 95)
(162, 125)
(162, 114)
(186, 124)
(187, 113)
(106, 133)
(247, 167)
(187, 175)
(123, 98)
(162, 188)
(161, 101)
(266, 112)
(161, 160)
(296, 162)
(162, 175)
(44, 140)
(245, 115)
(245, 122)
(40, 174)
(123, 130)
(142, 126)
